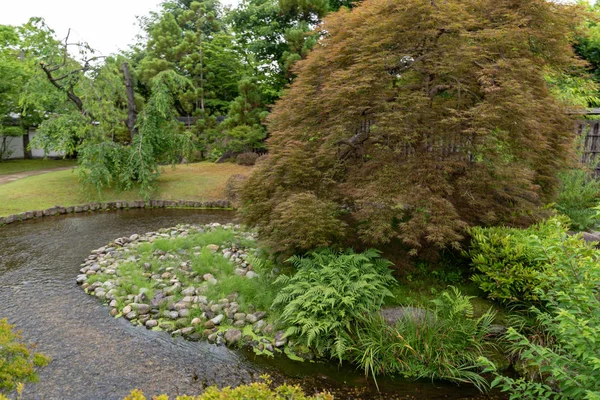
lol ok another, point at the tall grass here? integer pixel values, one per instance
(445, 344)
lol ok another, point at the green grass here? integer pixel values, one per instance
(16, 166)
(197, 182)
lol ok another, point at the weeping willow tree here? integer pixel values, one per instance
(158, 140)
(99, 123)
(413, 120)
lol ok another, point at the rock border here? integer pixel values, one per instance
(219, 321)
(115, 205)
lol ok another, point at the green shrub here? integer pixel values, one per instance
(578, 194)
(329, 293)
(254, 391)
(446, 343)
(17, 361)
(568, 366)
(508, 259)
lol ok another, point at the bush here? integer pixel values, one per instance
(445, 344)
(566, 367)
(233, 187)
(577, 196)
(17, 361)
(508, 260)
(254, 391)
(248, 158)
(329, 293)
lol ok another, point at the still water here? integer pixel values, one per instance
(95, 356)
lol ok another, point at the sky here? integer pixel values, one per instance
(106, 25)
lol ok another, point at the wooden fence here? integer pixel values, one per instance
(589, 131)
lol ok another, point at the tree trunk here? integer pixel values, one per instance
(131, 109)
(26, 150)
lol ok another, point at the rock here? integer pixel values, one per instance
(184, 313)
(131, 315)
(113, 303)
(127, 310)
(280, 339)
(196, 321)
(181, 305)
(592, 237)
(213, 247)
(240, 271)
(239, 316)
(143, 308)
(209, 324)
(216, 308)
(251, 275)
(81, 278)
(208, 277)
(239, 324)
(392, 315)
(259, 326)
(173, 314)
(251, 318)
(151, 323)
(212, 337)
(497, 330)
(187, 331)
(114, 312)
(190, 291)
(260, 315)
(268, 330)
(218, 319)
(232, 336)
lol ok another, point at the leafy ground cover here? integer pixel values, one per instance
(16, 166)
(198, 182)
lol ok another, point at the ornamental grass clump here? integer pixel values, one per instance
(445, 343)
(329, 293)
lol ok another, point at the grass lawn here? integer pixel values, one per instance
(16, 166)
(198, 182)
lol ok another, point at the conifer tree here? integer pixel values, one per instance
(412, 120)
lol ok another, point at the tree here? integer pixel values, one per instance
(411, 121)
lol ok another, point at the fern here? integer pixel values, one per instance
(329, 293)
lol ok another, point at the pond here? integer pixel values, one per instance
(95, 356)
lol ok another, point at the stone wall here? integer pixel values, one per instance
(115, 205)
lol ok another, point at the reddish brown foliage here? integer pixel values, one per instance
(415, 119)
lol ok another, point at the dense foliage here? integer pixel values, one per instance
(578, 194)
(414, 120)
(565, 366)
(18, 362)
(444, 343)
(255, 391)
(508, 260)
(329, 293)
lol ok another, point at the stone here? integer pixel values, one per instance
(173, 314)
(187, 331)
(239, 324)
(416, 314)
(218, 319)
(114, 312)
(196, 321)
(259, 326)
(212, 337)
(113, 303)
(190, 291)
(216, 308)
(184, 313)
(232, 336)
(240, 271)
(151, 323)
(143, 308)
(213, 247)
(131, 315)
(209, 324)
(251, 275)
(251, 318)
(260, 315)
(208, 277)
(268, 330)
(127, 310)
(280, 339)
(239, 316)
